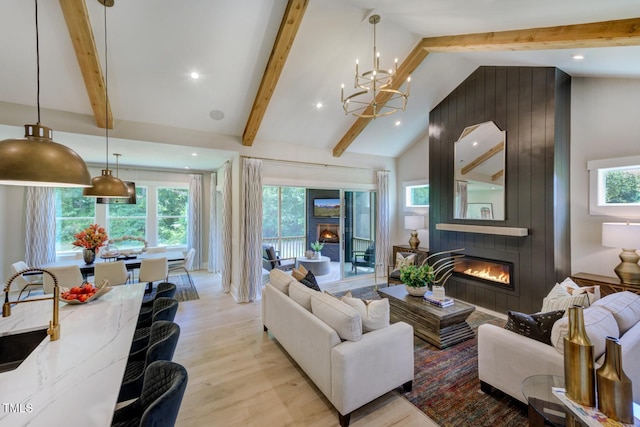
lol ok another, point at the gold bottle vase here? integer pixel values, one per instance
(579, 371)
(615, 392)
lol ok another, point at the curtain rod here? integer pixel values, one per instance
(312, 164)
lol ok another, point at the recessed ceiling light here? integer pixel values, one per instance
(398, 123)
(578, 57)
(216, 115)
(194, 154)
(319, 105)
(187, 167)
(194, 75)
(475, 143)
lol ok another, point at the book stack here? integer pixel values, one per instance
(437, 302)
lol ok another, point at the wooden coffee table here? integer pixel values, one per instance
(442, 327)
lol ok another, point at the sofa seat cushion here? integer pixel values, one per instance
(301, 294)
(280, 280)
(345, 320)
(625, 307)
(599, 324)
(374, 313)
(536, 326)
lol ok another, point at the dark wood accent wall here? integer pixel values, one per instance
(533, 106)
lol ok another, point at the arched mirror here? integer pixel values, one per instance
(480, 173)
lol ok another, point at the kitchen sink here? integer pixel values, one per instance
(14, 348)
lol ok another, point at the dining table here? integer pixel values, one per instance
(131, 262)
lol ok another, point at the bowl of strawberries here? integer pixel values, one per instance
(83, 294)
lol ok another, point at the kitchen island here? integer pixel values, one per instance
(75, 380)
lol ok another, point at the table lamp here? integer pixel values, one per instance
(627, 237)
(413, 223)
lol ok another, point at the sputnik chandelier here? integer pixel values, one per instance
(373, 82)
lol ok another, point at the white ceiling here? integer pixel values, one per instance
(154, 45)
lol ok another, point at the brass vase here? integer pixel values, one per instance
(615, 394)
(579, 371)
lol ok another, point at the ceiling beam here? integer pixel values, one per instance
(408, 66)
(482, 158)
(79, 26)
(624, 32)
(281, 48)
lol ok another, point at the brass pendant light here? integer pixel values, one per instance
(37, 160)
(131, 200)
(106, 185)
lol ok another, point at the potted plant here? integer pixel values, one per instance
(317, 247)
(418, 278)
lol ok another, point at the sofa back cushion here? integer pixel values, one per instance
(374, 313)
(343, 319)
(280, 280)
(301, 294)
(625, 307)
(599, 324)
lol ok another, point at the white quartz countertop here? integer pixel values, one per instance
(73, 381)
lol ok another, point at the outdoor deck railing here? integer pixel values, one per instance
(288, 247)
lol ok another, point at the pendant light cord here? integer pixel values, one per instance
(106, 85)
(37, 62)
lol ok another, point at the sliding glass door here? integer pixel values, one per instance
(359, 231)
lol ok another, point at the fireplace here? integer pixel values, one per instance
(328, 233)
(486, 271)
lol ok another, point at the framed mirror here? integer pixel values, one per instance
(479, 173)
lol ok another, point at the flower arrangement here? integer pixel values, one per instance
(317, 246)
(92, 237)
(437, 273)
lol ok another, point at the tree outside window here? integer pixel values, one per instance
(128, 220)
(74, 213)
(172, 216)
(283, 219)
(622, 186)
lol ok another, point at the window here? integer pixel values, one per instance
(614, 187)
(129, 220)
(74, 212)
(283, 219)
(172, 209)
(416, 195)
(364, 225)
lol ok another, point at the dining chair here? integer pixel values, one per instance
(156, 249)
(163, 387)
(153, 270)
(26, 282)
(162, 345)
(185, 265)
(68, 277)
(115, 272)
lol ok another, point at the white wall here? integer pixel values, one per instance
(604, 124)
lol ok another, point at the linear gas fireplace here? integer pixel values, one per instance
(487, 271)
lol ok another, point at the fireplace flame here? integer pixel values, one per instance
(487, 275)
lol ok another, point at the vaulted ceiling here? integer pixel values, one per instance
(264, 66)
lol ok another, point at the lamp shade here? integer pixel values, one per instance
(131, 200)
(621, 235)
(106, 185)
(414, 222)
(37, 160)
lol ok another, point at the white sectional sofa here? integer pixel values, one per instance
(351, 368)
(506, 358)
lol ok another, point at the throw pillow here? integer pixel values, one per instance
(536, 326)
(310, 282)
(592, 292)
(560, 299)
(337, 315)
(299, 273)
(403, 259)
(374, 313)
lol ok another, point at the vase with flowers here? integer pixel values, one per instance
(418, 278)
(90, 240)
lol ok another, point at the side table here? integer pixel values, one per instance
(319, 267)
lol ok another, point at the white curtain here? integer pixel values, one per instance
(40, 239)
(382, 227)
(226, 228)
(249, 288)
(212, 264)
(194, 232)
(461, 199)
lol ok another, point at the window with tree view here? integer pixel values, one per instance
(74, 213)
(619, 186)
(128, 220)
(283, 219)
(417, 195)
(172, 208)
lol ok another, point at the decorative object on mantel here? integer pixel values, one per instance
(579, 371)
(627, 237)
(418, 278)
(36, 159)
(317, 248)
(362, 103)
(615, 391)
(484, 229)
(414, 223)
(309, 254)
(90, 240)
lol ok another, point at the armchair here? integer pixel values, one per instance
(271, 260)
(366, 258)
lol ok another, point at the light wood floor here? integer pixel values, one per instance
(240, 376)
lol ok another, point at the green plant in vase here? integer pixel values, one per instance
(317, 247)
(418, 278)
